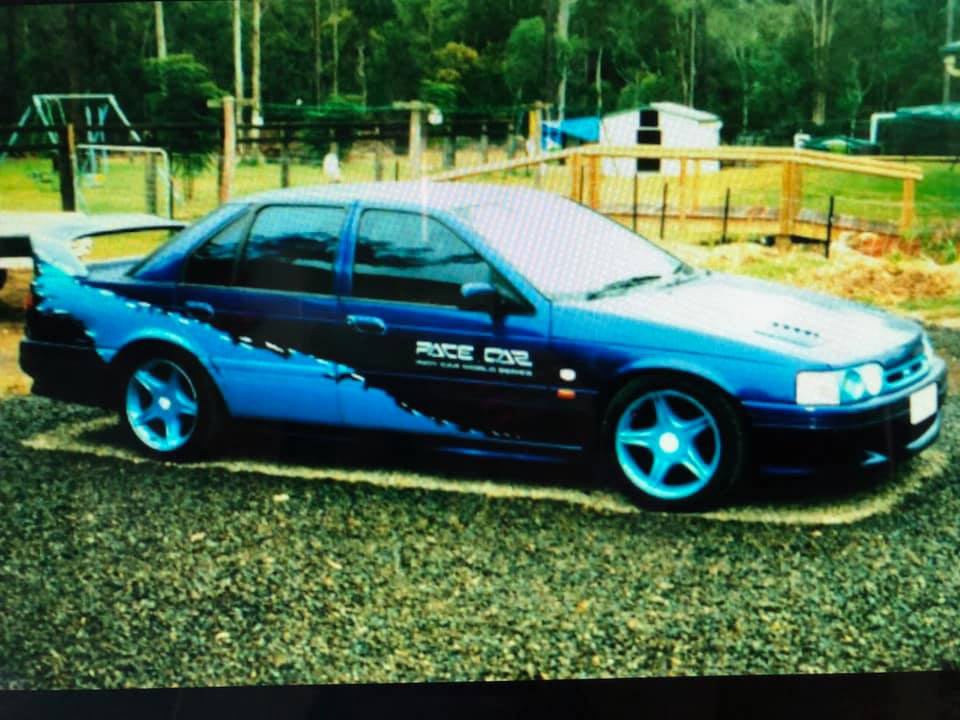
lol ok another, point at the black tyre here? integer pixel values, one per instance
(168, 404)
(673, 443)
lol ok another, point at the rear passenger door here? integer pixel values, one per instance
(251, 281)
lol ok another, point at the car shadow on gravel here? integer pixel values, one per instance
(260, 447)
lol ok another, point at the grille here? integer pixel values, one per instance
(905, 373)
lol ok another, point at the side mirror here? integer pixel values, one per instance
(479, 296)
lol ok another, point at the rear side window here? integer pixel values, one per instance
(412, 258)
(292, 249)
(154, 262)
(212, 262)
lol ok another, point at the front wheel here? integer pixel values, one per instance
(675, 444)
(168, 406)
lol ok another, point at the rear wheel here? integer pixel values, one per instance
(674, 443)
(168, 405)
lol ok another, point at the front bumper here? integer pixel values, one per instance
(793, 440)
(66, 372)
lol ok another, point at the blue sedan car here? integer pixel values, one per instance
(490, 319)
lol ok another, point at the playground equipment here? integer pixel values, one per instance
(56, 109)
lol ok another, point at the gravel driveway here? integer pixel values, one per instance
(114, 573)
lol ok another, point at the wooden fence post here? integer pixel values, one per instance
(285, 157)
(682, 191)
(789, 179)
(726, 215)
(663, 210)
(449, 150)
(484, 144)
(574, 164)
(68, 178)
(378, 158)
(695, 189)
(150, 184)
(594, 196)
(229, 150)
(908, 210)
(416, 142)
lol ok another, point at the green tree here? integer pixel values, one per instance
(180, 88)
(523, 65)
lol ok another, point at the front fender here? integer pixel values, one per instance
(676, 365)
(742, 380)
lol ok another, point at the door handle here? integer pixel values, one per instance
(199, 310)
(367, 324)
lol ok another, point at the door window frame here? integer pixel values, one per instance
(245, 223)
(335, 257)
(349, 260)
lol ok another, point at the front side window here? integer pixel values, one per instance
(292, 249)
(409, 257)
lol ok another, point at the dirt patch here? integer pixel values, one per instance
(12, 379)
(886, 282)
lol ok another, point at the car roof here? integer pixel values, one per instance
(423, 193)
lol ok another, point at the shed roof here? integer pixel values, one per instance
(676, 109)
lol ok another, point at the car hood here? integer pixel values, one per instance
(743, 317)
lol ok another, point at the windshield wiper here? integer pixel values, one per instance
(621, 285)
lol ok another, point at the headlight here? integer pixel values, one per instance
(835, 387)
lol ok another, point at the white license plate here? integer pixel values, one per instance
(923, 404)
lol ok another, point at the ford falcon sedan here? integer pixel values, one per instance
(486, 319)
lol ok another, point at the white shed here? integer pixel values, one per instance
(660, 123)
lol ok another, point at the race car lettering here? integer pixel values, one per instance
(502, 356)
(445, 351)
(504, 361)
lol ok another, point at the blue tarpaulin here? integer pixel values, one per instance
(585, 129)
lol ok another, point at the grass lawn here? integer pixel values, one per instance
(30, 184)
(912, 285)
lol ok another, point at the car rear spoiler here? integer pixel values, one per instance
(56, 253)
(49, 239)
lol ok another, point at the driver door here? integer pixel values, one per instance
(422, 364)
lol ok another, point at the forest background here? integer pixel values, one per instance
(768, 68)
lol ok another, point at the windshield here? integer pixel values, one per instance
(568, 250)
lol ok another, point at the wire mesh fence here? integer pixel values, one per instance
(720, 201)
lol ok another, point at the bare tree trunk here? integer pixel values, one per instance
(681, 59)
(745, 110)
(256, 117)
(255, 61)
(73, 68)
(946, 75)
(563, 35)
(549, 50)
(13, 28)
(597, 81)
(693, 54)
(238, 59)
(821, 14)
(161, 30)
(335, 25)
(362, 70)
(317, 58)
